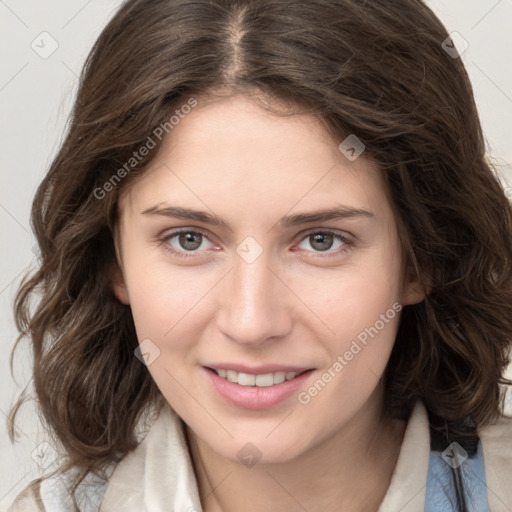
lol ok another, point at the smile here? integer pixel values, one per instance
(255, 391)
(261, 380)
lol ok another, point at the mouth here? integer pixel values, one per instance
(256, 391)
(260, 380)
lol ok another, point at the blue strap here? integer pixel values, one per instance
(441, 493)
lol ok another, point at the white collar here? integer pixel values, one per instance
(408, 487)
(158, 475)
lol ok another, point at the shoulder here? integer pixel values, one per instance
(54, 493)
(496, 439)
(29, 499)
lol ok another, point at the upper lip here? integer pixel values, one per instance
(257, 370)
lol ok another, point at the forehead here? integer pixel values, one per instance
(231, 153)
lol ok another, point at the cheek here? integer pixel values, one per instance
(360, 311)
(162, 295)
(165, 305)
(365, 318)
(355, 301)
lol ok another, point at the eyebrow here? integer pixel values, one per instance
(342, 212)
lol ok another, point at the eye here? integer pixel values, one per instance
(325, 240)
(184, 242)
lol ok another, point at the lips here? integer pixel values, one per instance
(257, 397)
(257, 370)
(260, 380)
(261, 376)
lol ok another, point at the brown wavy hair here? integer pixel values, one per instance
(375, 69)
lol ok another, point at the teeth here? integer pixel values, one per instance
(263, 380)
(232, 376)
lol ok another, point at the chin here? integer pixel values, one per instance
(262, 451)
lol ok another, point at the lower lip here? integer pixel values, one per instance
(253, 397)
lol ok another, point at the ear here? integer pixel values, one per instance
(117, 280)
(413, 291)
(413, 294)
(118, 285)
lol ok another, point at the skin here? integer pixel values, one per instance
(294, 304)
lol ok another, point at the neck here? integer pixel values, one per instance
(350, 470)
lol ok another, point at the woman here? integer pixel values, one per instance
(276, 268)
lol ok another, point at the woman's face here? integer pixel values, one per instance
(270, 286)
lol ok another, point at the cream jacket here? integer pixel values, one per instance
(158, 475)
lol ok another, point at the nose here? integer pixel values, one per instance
(255, 303)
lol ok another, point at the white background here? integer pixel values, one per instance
(36, 95)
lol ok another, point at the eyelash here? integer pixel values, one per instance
(187, 254)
